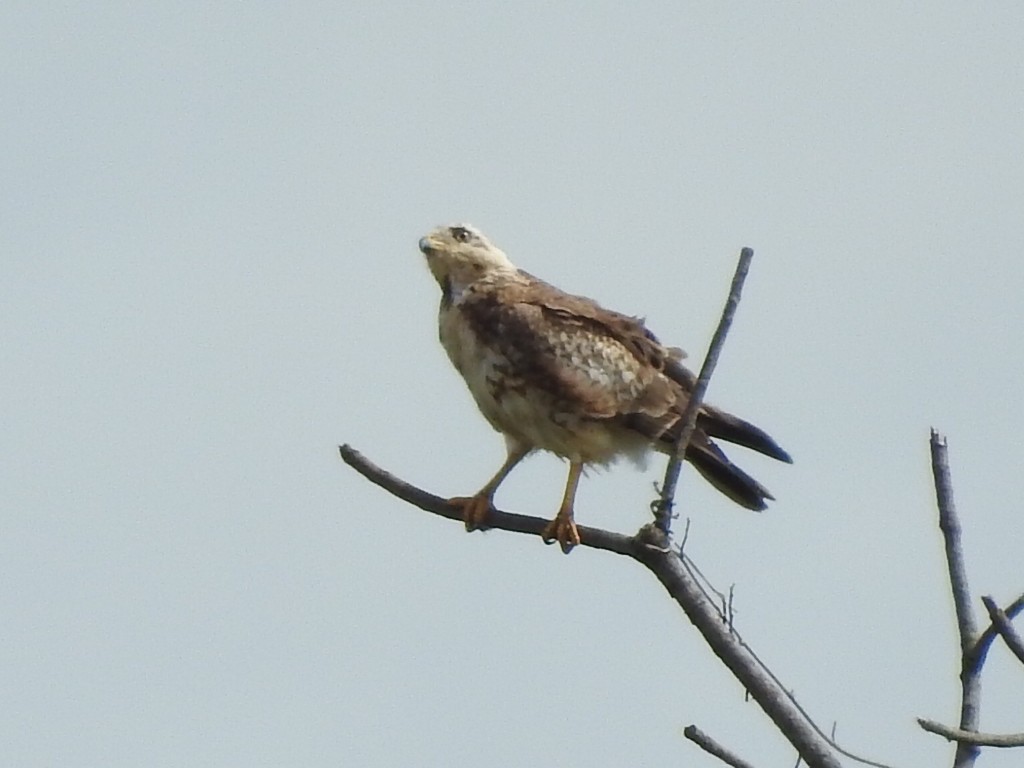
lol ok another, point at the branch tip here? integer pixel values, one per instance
(663, 516)
(712, 747)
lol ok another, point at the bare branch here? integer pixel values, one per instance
(652, 548)
(972, 738)
(1002, 624)
(692, 596)
(829, 739)
(970, 672)
(675, 576)
(725, 613)
(949, 524)
(980, 650)
(505, 521)
(663, 514)
(712, 747)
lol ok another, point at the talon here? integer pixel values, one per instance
(474, 510)
(563, 530)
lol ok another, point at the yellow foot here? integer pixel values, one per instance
(474, 510)
(563, 530)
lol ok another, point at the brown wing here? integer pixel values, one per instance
(600, 362)
(628, 331)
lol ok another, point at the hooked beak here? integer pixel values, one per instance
(427, 245)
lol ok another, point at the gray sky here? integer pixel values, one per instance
(208, 227)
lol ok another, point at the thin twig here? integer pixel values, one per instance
(714, 597)
(712, 747)
(717, 598)
(980, 650)
(1002, 624)
(663, 517)
(973, 738)
(970, 678)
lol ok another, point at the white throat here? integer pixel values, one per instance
(456, 290)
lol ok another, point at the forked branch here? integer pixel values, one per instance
(651, 548)
(980, 650)
(973, 645)
(1001, 623)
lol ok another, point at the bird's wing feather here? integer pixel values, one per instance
(601, 362)
(628, 331)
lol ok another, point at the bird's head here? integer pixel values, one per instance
(460, 254)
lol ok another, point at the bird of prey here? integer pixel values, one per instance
(556, 372)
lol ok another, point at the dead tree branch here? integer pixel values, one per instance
(1002, 625)
(972, 737)
(980, 650)
(712, 747)
(663, 507)
(970, 673)
(974, 646)
(725, 612)
(595, 538)
(651, 548)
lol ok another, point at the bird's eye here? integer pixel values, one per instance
(461, 234)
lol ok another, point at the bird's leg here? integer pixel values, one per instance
(475, 508)
(563, 528)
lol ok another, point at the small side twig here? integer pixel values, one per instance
(714, 597)
(663, 514)
(1002, 624)
(985, 640)
(972, 738)
(712, 747)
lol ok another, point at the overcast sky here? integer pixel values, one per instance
(208, 225)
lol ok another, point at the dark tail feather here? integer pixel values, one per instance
(726, 476)
(706, 457)
(724, 425)
(733, 429)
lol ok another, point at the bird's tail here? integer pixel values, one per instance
(732, 429)
(718, 423)
(708, 459)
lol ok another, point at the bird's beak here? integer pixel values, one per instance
(427, 245)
